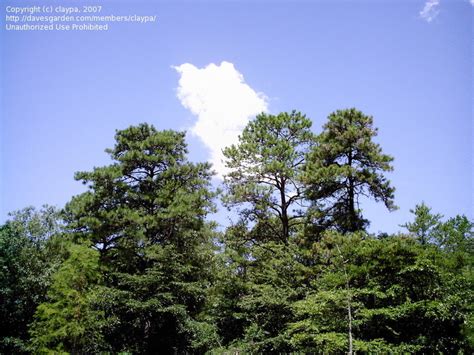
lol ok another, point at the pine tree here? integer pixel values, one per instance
(145, 214)
(264, 176)
(425, 223)
(344, 165)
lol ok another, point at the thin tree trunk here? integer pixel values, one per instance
(349, 314)
(349, 302)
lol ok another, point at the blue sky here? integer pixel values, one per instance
(408, 65)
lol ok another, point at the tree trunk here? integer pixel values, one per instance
(349, 302)
(349, 314)
(284, 213)
(352, 225)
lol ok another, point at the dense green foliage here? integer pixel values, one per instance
(31, 250)
(67, 321)
(134, 264)
(400, 297)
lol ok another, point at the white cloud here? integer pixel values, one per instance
(430, 10)
(472, 2)
(222, 102)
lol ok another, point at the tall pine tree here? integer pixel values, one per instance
(145, 214)
(344, 165)
(264, 177)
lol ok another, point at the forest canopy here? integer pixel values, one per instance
(135, 264)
